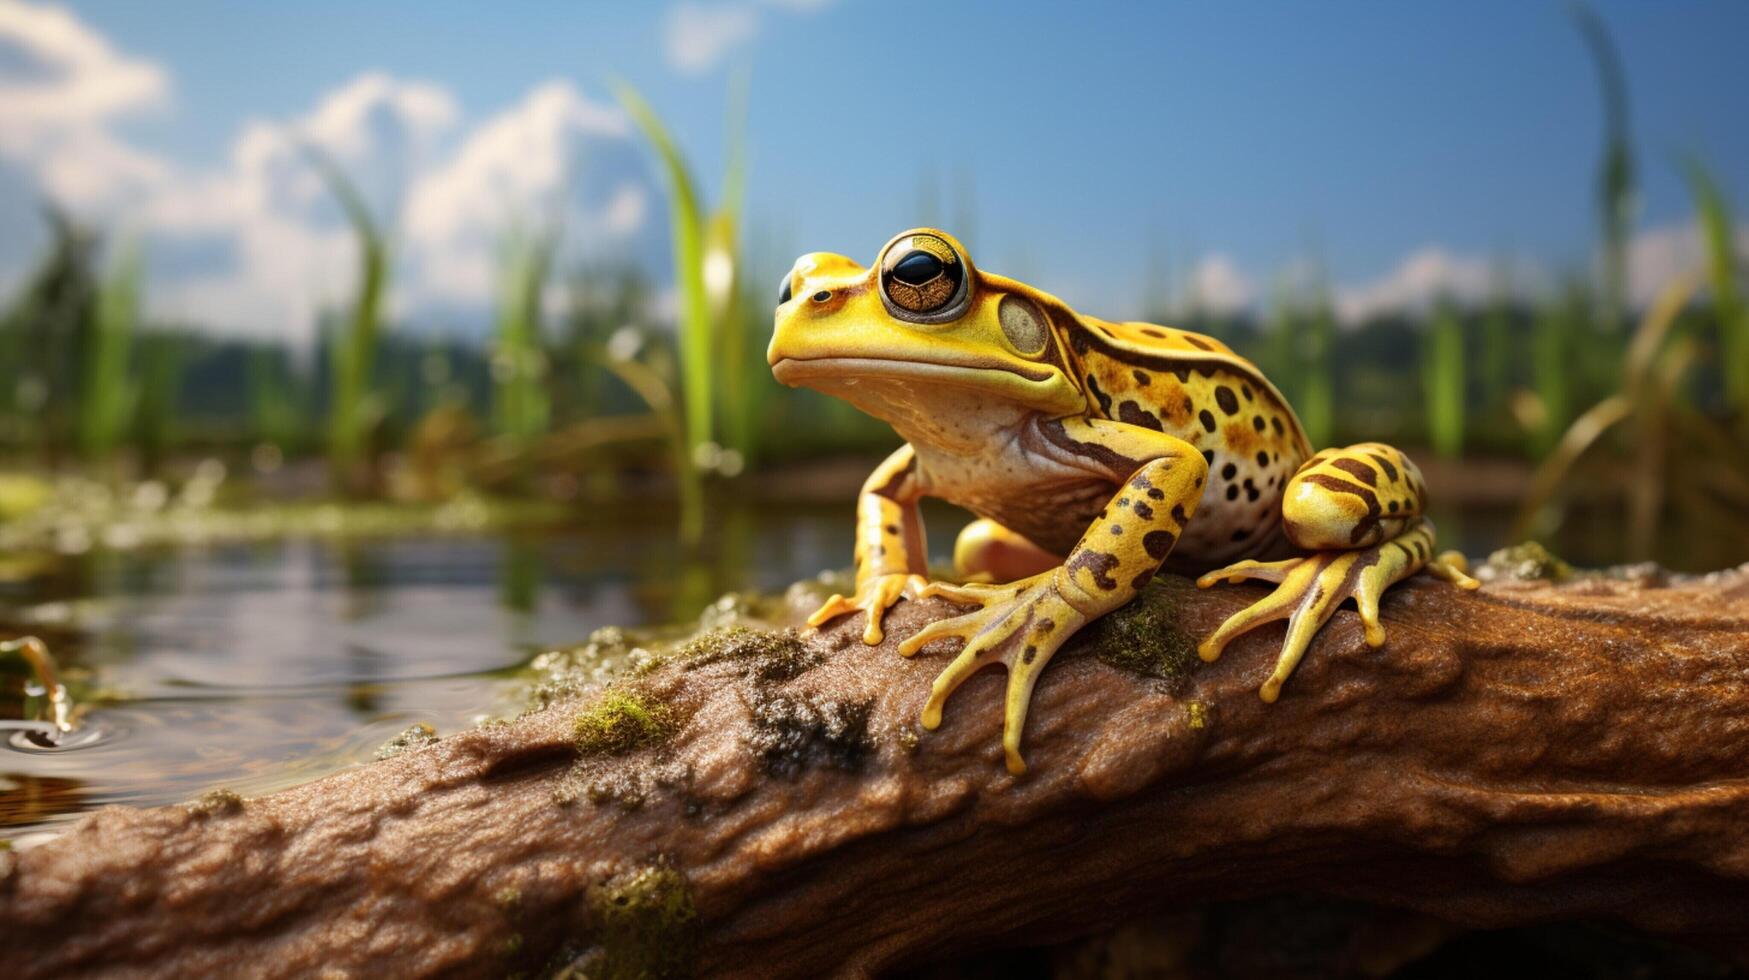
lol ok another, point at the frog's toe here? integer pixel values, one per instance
(1310, 588)
(874, 598)
(1453, 567)
(1020, 625)
(1268, 571)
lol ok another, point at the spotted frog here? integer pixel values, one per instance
(1093, 454)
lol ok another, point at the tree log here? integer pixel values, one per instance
(1526, 753)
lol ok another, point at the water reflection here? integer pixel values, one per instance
(255, 666)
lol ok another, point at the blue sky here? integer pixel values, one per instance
(1408, 146)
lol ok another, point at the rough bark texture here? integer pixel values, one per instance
(1522, 754)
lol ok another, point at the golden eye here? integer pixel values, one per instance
(923, 279)
(1023, 324)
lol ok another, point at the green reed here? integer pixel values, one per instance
(352, 408)
(688, 229)
(106, 391)
(521, 403)
(1551, 367)
(1724, 267)
(1442, 379)
(1615, 174)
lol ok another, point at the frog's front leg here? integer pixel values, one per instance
(1358, 512)
(891, 559)
(1022, 624)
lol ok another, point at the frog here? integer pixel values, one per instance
(1091, 454)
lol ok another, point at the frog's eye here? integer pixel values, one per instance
(924, 280)
(783, 294)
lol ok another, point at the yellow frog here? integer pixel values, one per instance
(1092, 452)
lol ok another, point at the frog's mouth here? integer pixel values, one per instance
(800, 370)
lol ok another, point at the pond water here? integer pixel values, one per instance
(255, 666)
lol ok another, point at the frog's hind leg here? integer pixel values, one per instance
(988, 552)
(1358, 511)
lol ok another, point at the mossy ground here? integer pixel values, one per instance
(764, 655)
(1527, 562)
(216, 803)
(621, 720)
(645, 926)
(792, 732)
(416, 736)
(1144, 635)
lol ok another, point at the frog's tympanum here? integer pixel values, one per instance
(1093, 454)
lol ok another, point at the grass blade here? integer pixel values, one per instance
(106, 391)
(1723, 269)
(351, 412)
(689, 233)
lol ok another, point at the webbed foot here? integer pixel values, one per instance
(1020, 624)
(1314, 585)
(874, 596)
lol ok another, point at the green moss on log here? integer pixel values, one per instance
(645, 926)
(1144, 636)
(621, 720)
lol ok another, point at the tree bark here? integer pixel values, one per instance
(1525, 753)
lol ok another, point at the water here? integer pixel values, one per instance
(255, 666)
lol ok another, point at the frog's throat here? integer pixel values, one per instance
(1043, 389)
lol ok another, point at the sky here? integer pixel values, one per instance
(1109, 153)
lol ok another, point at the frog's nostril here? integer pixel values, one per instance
(822, 296)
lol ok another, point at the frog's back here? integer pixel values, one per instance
(1196, 388)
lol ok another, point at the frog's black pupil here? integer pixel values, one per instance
(917, 268)
(783, 293)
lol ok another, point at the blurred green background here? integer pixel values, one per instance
(569, 309)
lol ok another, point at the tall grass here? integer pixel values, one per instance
(714, 320)
(106, 391)
(1494, 362)
(1724, 267)
(521, 404)
(1615, 175)
(620, 356)
(274, 409)
(352, 411)
(1442, 374)
(687, 226)
(155, 415)
(1551, 367)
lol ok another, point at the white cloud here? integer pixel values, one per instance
(1217, 286)
(555, 160)
(61, 86)
(63, 73)
(1658, 255)
(289, 252)
(696, 37)
(256, 244)
(1427, 274)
